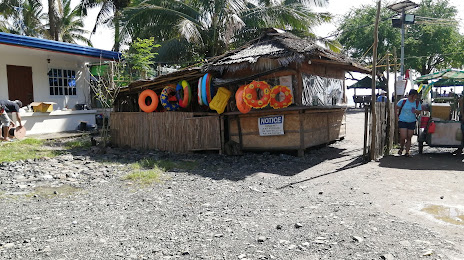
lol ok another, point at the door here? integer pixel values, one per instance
(20, 83)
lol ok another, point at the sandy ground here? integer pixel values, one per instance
(427, 188)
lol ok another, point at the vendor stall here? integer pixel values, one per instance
(278, 92)
(442, 124)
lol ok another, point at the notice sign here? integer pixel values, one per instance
(271, 125)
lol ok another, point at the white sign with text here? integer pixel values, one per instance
(271, 125)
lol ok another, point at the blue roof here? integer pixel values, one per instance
(31, 42)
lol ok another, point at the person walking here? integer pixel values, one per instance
(408, 109)
(12, 107)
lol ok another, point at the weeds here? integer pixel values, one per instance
(147, 171)
(22, 150)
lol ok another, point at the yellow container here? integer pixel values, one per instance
(42, 106)
(220, 100)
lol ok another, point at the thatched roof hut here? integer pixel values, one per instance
(275, 49)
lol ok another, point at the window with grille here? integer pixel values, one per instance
(62, 82)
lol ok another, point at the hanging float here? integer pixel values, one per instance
(184, 93)
(241, 105)
(143, 101)
(276, 97)
(207, 90)
(168, 98)
(257, 94)
(220, 100)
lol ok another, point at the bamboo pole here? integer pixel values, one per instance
(374, 72)
(388, 106)
(396, 137)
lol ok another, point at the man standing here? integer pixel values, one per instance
(12, 107)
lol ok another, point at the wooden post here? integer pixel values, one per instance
(396, 137)
(388, 139)
(374, 72)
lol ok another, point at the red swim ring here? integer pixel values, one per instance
(143, 99)
(241, 105)
(276, 91)
(250, 94)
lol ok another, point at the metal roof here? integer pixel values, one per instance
(63, 47)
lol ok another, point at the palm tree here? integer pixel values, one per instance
(205, 28)
(25, 16)
(69, 24)
(109, 14)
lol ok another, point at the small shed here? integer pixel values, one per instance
(314, 75)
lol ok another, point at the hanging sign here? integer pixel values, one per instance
(271, 125)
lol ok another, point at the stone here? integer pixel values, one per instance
(387, 257)
(261, 239)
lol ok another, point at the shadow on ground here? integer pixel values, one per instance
(218, 167)
(437, 160)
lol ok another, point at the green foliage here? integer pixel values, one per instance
(194, 30)
(22, 150)
(140, 57)
(433, 42)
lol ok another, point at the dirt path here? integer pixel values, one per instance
(427, 188)
(330, 204)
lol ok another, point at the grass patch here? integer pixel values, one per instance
(28, 148)
(78, 143)
(147, 171)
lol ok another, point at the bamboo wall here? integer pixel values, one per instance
(303, 129)
(179, 132)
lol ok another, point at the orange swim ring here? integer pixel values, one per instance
(277, 99)
(257, 94)
(143, 99)
(241, 105)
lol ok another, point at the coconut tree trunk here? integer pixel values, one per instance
(117, 26)
(52, 20)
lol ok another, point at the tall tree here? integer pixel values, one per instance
(109, 14)
(196, 29)
(431, 43)
(69, 24)
(54, 7)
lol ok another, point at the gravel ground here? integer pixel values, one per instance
(327, 205)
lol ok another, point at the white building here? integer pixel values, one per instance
(38, 70)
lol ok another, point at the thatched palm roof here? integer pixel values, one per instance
(277, 48)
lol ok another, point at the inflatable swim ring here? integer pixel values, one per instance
(166, 100)
(143, 101)
(199, 91)
(184, 93)
(276, 95)
(207, 90)
(241, 105)
(250, 94)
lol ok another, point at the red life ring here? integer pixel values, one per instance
(142, 100)
(275, 92)
(250, 94)
(241, 105)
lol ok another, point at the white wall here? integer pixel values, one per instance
(37, 59)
